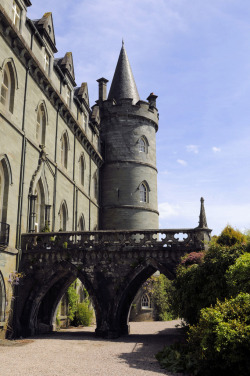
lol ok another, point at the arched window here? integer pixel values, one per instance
(143, 146)
(95, 185)
(39, 207)
(81, 223)
(5, 181)
(64, 150)
(81, 169)
(41, 124)
(63, 216)
(143, 189)
(2, 298)
(8, 86)
(1, 190)
(145, 301)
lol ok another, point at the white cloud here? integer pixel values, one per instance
(168, 211)
(193, 149)
(215, 149)
(181, 162)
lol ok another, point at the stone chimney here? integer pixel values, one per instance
(152, 99)
(102, 88)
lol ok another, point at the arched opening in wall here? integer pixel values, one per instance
(65, 298)
(146, 297)
(143, 145)
(144, 192)
(75, 308)
(2, 298)
(82, 169)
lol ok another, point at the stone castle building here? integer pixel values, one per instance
(65, 165)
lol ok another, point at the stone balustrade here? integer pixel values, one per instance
(190, 239)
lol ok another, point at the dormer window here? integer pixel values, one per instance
(46, 62)
(16, 14)
(68, 96)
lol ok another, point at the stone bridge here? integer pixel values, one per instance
(111, 264)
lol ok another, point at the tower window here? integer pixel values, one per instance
(142, 146)
(143, 192)
(16, 14)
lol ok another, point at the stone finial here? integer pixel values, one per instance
(202, 219)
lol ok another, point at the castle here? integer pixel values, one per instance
(65, 165)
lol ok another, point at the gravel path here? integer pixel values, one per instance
(77, 352)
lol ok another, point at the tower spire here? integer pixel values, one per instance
(123, 84)
(202, 219)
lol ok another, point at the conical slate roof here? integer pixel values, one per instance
(123, 84)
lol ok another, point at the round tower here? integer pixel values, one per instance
(128, 179)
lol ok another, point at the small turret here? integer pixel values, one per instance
(129, 174)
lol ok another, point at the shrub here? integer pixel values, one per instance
(192, 258)
(199, 285)
(230, 237)
(84, 314)
(221, 339)
(218, 345)
(160, 293)
(72, 298)
(238, 275)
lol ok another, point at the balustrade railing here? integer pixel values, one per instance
(4, 234)
(117, 239)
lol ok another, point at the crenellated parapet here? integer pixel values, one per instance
(126, 109)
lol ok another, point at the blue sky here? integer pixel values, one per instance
(195, 55)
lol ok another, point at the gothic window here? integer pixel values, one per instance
(41, 125)
(64, 150)
(8, 87)
(46, 62)
(16, 15)
(145, 301)
(95, 183)
(81, 223)
(143, 145)
(1, 190)
(39, 207)
(81, 169)
(5, 181)
(143, 189)
(68, 96)
(63, 216)
(85, 121)
(2, 298)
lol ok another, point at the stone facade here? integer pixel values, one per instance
(66, 166)
(49, 139)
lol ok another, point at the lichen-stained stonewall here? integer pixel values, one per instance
(111, 264)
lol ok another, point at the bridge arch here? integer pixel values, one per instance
(134, 281)
(42, 299)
